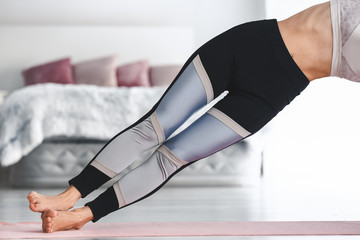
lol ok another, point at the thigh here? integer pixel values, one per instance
(251, 112)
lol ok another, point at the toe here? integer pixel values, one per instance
(47, 221)
(31, 195)
(34, 207)
(44, 226)
(48, 229)
(33, 201)
(49, 225)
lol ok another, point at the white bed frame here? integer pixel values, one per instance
(25, 46)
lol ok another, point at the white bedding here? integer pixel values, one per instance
(32, 114)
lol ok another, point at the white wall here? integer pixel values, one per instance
(282, 9)
(315, 140)
(207, 17)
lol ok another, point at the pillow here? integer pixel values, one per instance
(163, 75)
(57, 72)
(133, 74)
(99, 72)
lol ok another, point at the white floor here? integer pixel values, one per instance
(265, 202)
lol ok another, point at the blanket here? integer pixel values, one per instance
(34, 113)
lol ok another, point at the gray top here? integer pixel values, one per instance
(345, 17)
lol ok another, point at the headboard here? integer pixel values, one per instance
(25, 46)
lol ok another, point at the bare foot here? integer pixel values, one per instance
(62, 202)
(53, 220)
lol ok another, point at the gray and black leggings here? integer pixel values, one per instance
(250, 61)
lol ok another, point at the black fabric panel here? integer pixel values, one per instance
(104, 204)
(89, 180)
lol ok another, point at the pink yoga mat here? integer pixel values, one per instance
(33, 230)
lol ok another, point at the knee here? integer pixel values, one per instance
(168, 162)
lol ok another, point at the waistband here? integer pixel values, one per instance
(283, 55)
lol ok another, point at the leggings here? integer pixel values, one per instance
(250, 61)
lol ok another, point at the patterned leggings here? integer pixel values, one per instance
(250, 61)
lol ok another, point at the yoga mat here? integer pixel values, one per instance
(33, 229)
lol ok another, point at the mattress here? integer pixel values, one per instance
(56, 161)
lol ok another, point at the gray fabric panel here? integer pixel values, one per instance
(184, 98)
(145, 178)
(204, 137)
(127, 147)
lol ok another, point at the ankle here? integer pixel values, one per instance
(88, 213)
(72, 193)
(85, 215)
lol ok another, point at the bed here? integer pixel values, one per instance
(50, 131)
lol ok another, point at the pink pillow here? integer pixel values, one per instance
(133, 74)
(163, 75)
(57, 72)
(99, 72)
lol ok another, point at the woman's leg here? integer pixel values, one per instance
(205, 136)
(212, 132)
(191, 90)
(252, 62)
